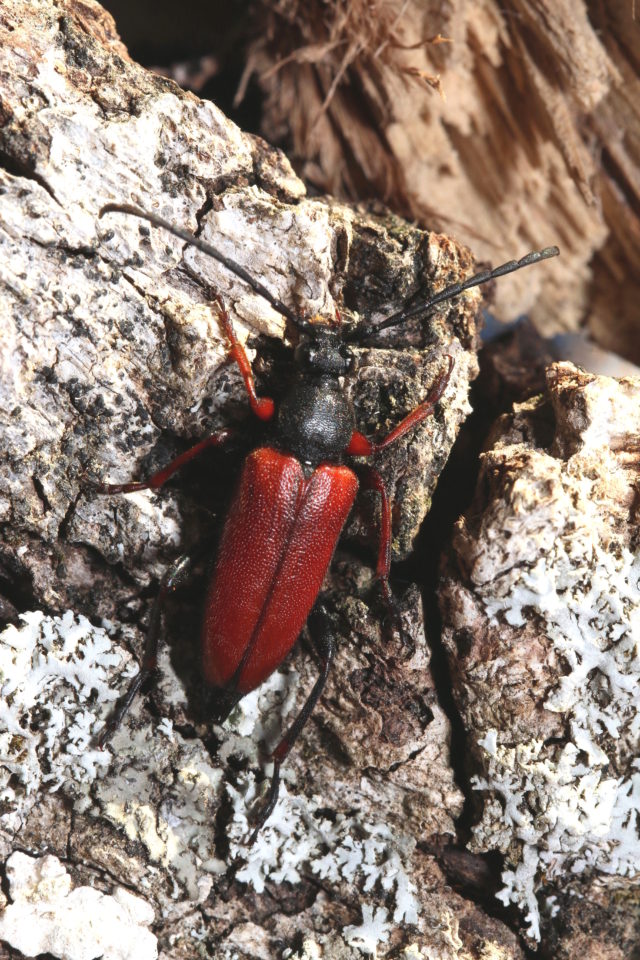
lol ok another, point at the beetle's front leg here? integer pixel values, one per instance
(262, 407)
(324, 643)
(159, 478)
(176, 575)
(361, 446)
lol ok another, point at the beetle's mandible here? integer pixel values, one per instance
(291, 503)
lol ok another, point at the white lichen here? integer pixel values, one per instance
(296, 839)
(373, 930)
(572, 806)
(179, 832)
(54, 685)
(60, 672)
(46, 916)
(177, 827)
(59, 678)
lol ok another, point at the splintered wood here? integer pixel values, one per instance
(534, 140)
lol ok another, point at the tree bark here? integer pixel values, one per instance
(542, 587)
(112, 362)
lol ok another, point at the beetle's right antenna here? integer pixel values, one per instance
(227, 262)
(362, 333)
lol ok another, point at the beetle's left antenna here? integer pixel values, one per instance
(362, 333)
(210, 251)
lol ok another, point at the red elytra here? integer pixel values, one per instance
(277, 543)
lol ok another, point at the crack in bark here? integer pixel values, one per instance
(37, 485)
(24, 169)
(68, 516)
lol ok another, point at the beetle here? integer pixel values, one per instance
(291, 503)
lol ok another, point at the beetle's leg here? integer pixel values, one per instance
(263, 407)
(176, 575)
(325, 646)
(160, 478)
(371, 480)
(361, 446)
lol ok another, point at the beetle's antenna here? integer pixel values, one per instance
(227, 262)
(362, 333)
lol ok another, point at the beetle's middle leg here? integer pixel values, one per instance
(159, 478)
(372, 480)
(324, 643)
(174, 577)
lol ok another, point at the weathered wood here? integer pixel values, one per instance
(535, 139)
(542, 589)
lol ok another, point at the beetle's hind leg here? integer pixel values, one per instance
(371, 480)
(174, 577)
(324, 643)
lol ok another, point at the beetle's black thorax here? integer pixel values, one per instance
(316, 420)
(316, 417)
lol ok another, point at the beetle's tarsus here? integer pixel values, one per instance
(393, 621)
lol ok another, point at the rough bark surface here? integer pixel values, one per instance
(112, 361)
(541, 606)
(536, 139)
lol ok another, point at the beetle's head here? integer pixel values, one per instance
(322, 352)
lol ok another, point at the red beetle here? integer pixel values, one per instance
(291, 503)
